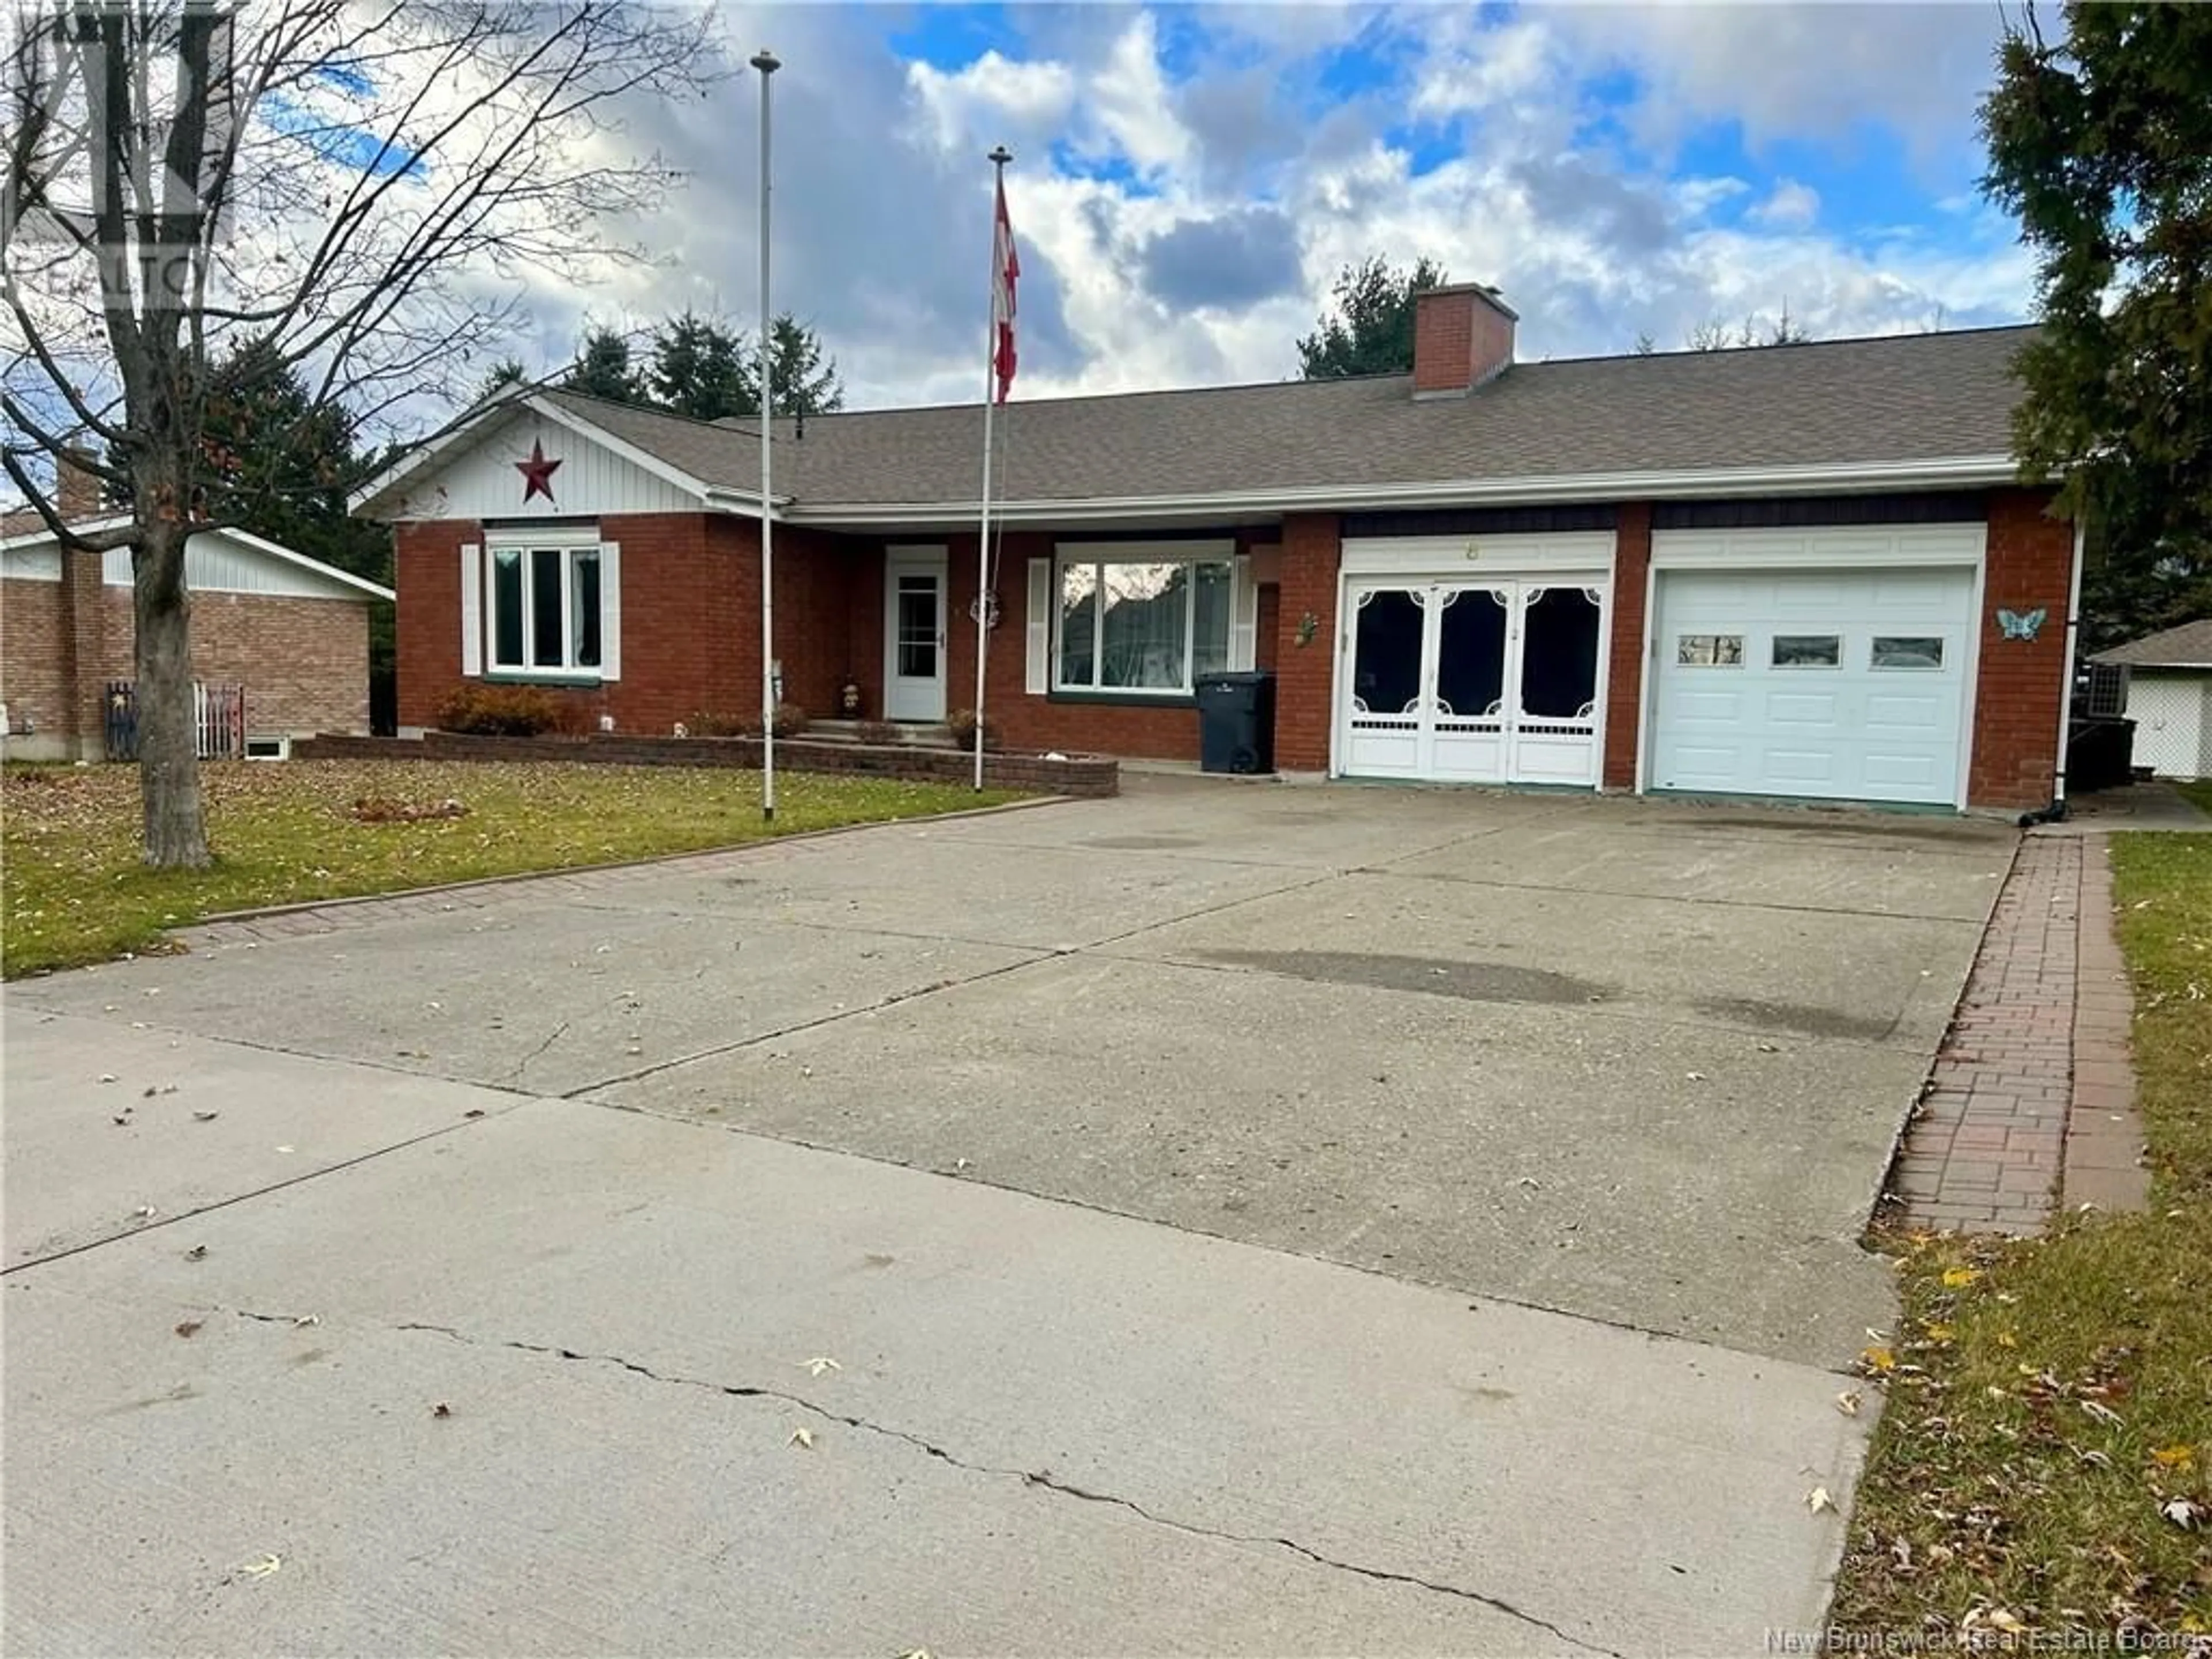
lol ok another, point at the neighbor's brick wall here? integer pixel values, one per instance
(1312, 550)
(2020, 683)
(1624, 708)
(304, 662)
(34, 671)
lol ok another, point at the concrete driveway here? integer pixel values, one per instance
(1306, 1189)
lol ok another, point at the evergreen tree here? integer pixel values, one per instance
(2101, 144)
(1369, 328)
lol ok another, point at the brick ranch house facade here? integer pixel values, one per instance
(1806, 573)
(291, 631)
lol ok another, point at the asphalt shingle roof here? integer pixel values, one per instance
(1907, 398)
(2189, 645)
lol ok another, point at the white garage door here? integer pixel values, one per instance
(1844, 686)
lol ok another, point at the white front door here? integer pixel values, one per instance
(914, 634)
(1494, 682)
(1842, 685)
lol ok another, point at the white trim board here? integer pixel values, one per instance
(1829, 549)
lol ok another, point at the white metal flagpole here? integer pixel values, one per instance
(767, 63)
(999, 158)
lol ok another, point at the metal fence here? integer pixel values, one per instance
(218, 720)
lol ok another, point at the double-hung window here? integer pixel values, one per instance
(1139, 617)
(550, 604)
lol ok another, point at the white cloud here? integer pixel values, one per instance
(1128, 100)
(1789, 206)
(883, 203)
(970, 104)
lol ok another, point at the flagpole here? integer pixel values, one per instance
(767, 63)
(999, 158)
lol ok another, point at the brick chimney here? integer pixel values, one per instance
(77, 488)
(1462, 336)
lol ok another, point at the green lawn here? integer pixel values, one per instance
(72, 889)
(2045, 1452)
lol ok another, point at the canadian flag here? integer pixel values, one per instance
(1006, 269)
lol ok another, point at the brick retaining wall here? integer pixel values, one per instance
(1088, 775)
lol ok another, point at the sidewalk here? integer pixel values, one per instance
(2031, 1100)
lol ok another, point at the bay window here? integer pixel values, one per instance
(1143, 618)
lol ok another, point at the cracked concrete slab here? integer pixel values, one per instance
(1132, 1413)
(576, 1509)
(201, 1123)
(537, 991)
(1567, 1157)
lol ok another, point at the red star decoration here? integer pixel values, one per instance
(537, 472)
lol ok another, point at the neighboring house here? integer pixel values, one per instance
(1767, 573)
(291, 631)
(2170, 698)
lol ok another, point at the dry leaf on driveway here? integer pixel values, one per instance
(801, 1438)
(1818, 1499)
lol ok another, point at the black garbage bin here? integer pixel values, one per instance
(1236, 722)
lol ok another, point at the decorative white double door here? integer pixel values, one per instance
(1500, 681)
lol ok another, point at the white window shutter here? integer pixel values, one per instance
(473, 629)
(1040, 627)
(1244, 614)
(609, 610)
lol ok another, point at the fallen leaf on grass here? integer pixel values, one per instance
(801, 1438)
(2103, 1413)
(2174, 1457)
(1957, 1278)
(189, 1326)
(1879, 1360)
(2183, 1513)
(1818, 1499)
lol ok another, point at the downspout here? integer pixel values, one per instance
(2056, 811)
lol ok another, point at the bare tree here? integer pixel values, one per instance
(1714, 335)
(358, 191)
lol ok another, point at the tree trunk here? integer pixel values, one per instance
(168, 737)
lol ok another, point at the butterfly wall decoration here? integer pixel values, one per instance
(2020, 624)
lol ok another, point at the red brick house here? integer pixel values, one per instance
(292, 631)
(1769, 572)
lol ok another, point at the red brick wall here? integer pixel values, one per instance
(1267, 619)
(2019, 682)
(691, 620)
(1459, 340)
(1624, 709)
(304, 662)
(1312, 551)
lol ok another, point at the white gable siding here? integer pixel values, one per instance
(215, 564)
(481, 482)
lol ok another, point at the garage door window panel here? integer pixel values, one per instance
(1808, 651)
(1471, 652)
(1386, 675)
(1558, 654)
(1709, 650)
(1907, 651)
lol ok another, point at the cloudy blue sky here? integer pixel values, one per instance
(1189, 179)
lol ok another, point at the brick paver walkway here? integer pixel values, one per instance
(2033, 1075)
